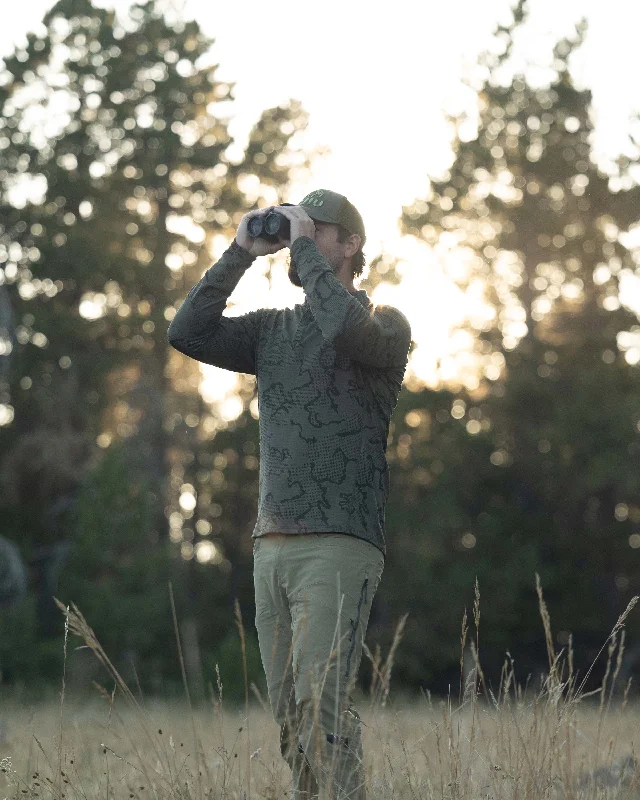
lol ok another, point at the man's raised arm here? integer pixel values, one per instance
(200, 331)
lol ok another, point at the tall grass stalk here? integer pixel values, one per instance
(240, 625)
(196, 749)
(78, 625)
(64, 673)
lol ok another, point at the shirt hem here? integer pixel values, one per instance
(333, 530)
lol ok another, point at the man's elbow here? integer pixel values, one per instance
(175, 333)
(177, 342)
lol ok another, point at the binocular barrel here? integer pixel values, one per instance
(272, 227)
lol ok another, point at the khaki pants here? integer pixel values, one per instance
(313, 596)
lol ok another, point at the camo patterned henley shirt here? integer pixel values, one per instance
(329, 372)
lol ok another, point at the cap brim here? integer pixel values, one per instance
(318, 214)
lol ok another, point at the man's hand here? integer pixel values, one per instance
(301, 223)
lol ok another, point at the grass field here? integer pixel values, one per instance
(552, 741)
(410, 752)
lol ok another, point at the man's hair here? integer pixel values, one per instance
(357, 259)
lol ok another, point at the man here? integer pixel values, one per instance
(329, 372)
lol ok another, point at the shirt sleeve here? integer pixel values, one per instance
(201, 332)
(379, 338)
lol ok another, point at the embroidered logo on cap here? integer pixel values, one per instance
(313, 198)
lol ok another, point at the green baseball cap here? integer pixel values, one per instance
(327, 206)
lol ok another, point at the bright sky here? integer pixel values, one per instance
(375, 79)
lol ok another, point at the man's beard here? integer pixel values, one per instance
(293, 270)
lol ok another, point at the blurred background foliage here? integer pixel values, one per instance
(119, 480)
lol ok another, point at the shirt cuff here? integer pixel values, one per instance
(234, 249)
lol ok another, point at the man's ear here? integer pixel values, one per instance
(354, 245)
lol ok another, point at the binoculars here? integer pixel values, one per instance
(272, 226)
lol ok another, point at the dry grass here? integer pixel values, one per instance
(555, 742)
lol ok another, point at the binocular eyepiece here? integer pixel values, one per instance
(272, 226)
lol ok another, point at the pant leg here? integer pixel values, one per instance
(273, 623)
(330, 580)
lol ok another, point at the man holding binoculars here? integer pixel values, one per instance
(329, 372)
(280, 226)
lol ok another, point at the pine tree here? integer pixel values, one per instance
(116, 177)
(128, 186)
(551, 424)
